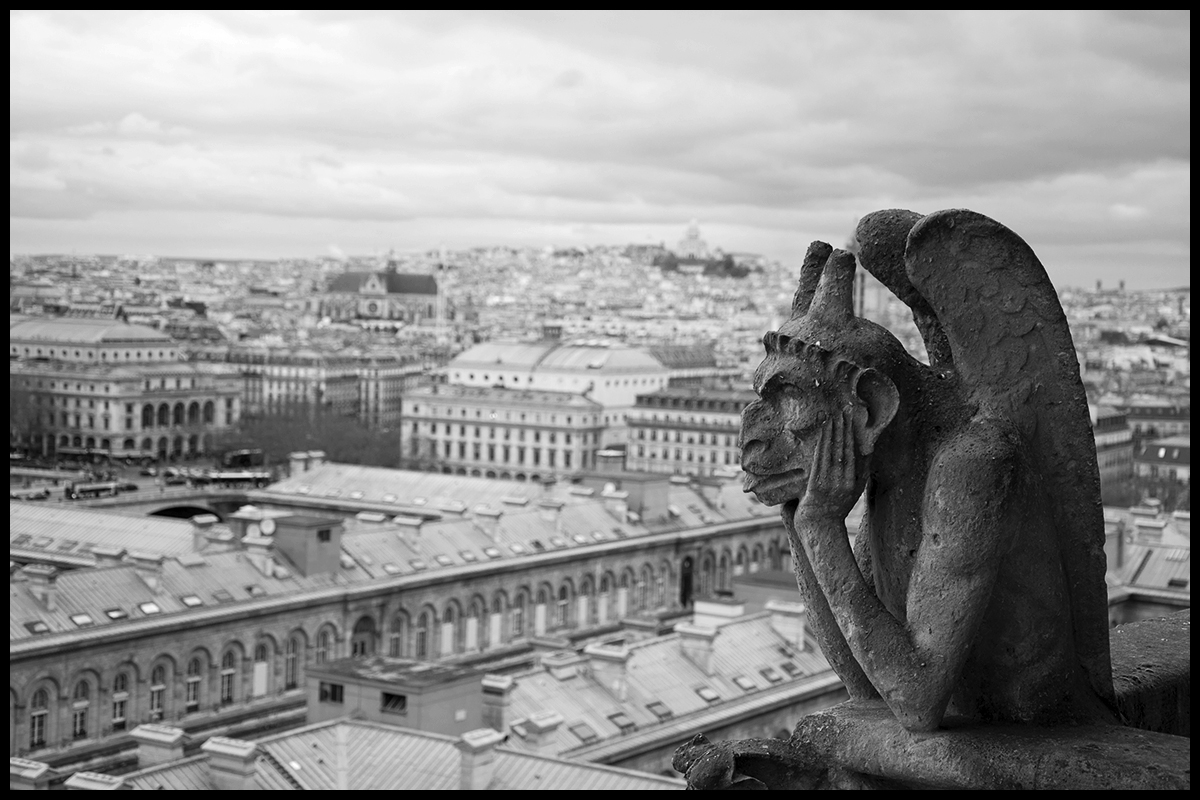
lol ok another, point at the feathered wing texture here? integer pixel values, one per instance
(1011, 345)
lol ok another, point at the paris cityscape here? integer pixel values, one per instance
(421, 414)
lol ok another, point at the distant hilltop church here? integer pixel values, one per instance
(382, 295)
(691, 246)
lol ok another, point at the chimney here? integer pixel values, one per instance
(551, 511)
(541, 727)
(315, 459)
(201, 525)
(564, 664)
(497, 698)
(697, 644)
(487, 519)
(477, 764)
(787, 619)
(608, 664)
(149, 568)
(26, 774)
(297, 463)
(94, 781)
(410, 528)
(157, 744)
(231, 762)
(108, 556)
(713, 612)
(42, 579)
(219, 540)
(616, 502)
(261, 551)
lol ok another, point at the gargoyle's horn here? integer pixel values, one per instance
(810, 274)
(834, 298)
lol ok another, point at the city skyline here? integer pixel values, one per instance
(227, 135)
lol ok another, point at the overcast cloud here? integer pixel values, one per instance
(290, 134)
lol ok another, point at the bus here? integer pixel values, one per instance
(241, 459)
(236, 479)
(80, 491)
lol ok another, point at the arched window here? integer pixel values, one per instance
(191, 697)
(208, 412)
(39, 713)
(660, 587)
(291, 665)
(147, 416)
(120, 699)
(81, 699)
(323, 646)
(260, 677)
(164, 415)
(518, 616)
(422, 637)
(193, 413)
(398, 637)
(479, 620)
(564, 600)
(723, 573)
(179, 414)
(362, 641)
(451, 618)
(158, 687)
(228, 673)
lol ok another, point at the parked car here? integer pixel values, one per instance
(149, 471)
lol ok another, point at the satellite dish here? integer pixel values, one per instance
(268, 526)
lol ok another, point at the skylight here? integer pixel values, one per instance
(150, 608)
(707, 694)
(660, 710)
(116, 613)
(580, 538)
(37, 626)
(771, 675)
(417, 564)
(492, 552)
(254, 590)
(391, 569)
(467, 555)
(745, 683)
(790, 668)
(517, 547)
(222, 596)
(583, 731)
(191, 600)
(356, 495)
(389, 498)
(558, 541)
(82, 620)
(444, 560)
(623, 721)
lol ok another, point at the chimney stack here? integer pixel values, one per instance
(697, 644)
(108, 556)
(149, 568)
(487, 519)
(315, 458)
(231, 762)
(541, 727)
(564, 664)
(497, 699)
(550, 510)
(201, 525)
(788, 619)
(616, 502)
(297, 463)
(410, 528)
(157, 744)
(477, 764)
(26, 774)
(609, 664)
(94, 781)
(261, 551)
(42, 580)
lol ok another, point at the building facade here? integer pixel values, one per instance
(686, 430)
(470, 572)
(382, 295)
(1169, 458)
(108, 391)
(518, 434)
(1114, 444)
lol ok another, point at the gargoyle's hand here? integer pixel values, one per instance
(833, 486)
(747, 764)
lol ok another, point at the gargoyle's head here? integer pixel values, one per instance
(819, 362)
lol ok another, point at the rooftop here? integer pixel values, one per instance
(83, 331)
(394, 670)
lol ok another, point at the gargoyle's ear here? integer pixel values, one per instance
(880, 401)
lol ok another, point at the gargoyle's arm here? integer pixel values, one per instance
(915, 665)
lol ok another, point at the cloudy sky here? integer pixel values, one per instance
(291, 134)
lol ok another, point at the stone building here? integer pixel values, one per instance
(1169, 458)
(107, 391)
(686, 430)
(1114, 444)
(344, 561)
(513, 433)
(381, 295)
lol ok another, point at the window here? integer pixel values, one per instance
(623, 721)
(745, 683)
(120, 698)
(322, 647)
(191, 600)
(290, 663)
(707, 694)
(82, 620)
(80, 700)
(192, 692)
(332, 692)
(228, 670)
(158, 684)
(39, 711)
(116, 613)
(323, 535)
(584, 732)
(149, 608)
(660, 710)
(771, 675)
(394, 703)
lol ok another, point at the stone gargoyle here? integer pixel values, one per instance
(975, 585)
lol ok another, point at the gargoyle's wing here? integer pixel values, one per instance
(1011, 346)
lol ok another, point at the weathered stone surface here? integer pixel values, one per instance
(1152, 673)
(977, 583)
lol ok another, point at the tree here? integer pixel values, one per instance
(343, 439)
